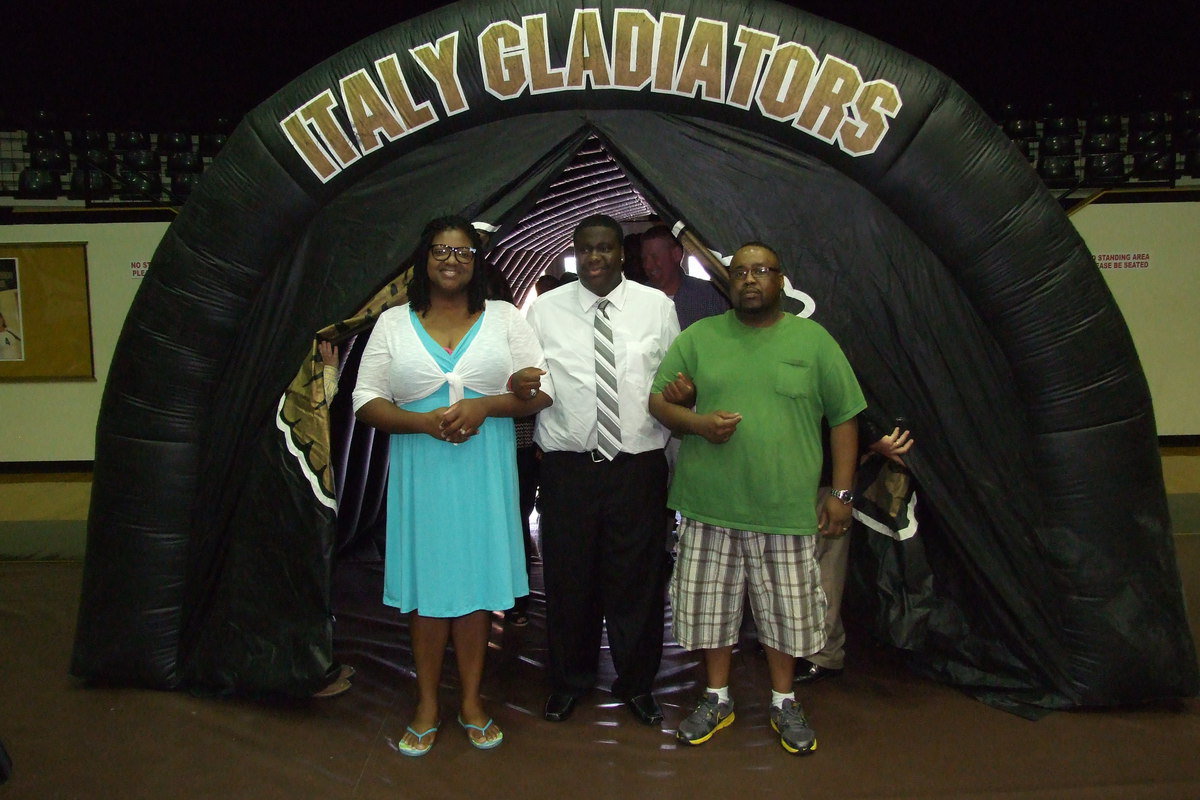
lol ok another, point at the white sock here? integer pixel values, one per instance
(722, 693)
(777, 698)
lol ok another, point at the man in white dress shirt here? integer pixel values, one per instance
(604, 476)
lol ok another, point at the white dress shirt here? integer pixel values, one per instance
(397, 367)
(643, 324)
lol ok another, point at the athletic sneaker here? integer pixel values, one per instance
(792, 726)
(709, 717)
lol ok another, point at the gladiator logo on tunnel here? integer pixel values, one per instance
(784, 82)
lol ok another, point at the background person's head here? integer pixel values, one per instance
(633, 259)
(662, 259)
(545, 283)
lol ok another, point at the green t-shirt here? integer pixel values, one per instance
(782, 379)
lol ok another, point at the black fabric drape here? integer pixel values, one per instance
(959, 290)
(910, 323)
(360, 463)
(361, 238)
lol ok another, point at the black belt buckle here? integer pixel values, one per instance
(597, 456)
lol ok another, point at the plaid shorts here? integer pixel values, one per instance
(715, 567)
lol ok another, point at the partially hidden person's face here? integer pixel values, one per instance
(660, 259)
(749, 290)
(598, 259)
(450, 261)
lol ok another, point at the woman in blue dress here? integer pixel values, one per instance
(435, 375)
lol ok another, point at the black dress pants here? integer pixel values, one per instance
(527, 486)
(602, 554)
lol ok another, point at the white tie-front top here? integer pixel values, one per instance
(397, 367)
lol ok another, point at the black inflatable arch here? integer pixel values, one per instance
(963, 296)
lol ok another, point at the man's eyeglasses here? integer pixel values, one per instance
(463, 255)
(741, 273)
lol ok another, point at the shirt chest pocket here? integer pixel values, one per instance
(641, 362)
(792, 378)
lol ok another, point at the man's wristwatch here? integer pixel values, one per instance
(845, 495)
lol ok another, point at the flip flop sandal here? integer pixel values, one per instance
(335, 687)
(481, 744)
(411, 750)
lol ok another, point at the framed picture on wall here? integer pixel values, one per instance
(45, 312)
(11, 341)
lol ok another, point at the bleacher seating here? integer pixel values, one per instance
(1058, 172)
(1155, 144)
(1104, 168)
(51, 158)
(43, 132)
(132, 139)
(140, 177)
(1191, 162)
(1058, 145)
(183, 183)
(1154, 166)
(140, 186)
(189, 161)
(211, 143)
(36, 183)
(1104, 122)
(88, 134)
(1151, 143)
(1148, 141)
(1060, 126)
(140, 160)
(88, 184)
(99, 158)
(1017, 124)
(173, 141)
(1187, 122)
(1101, 142)
(183, 169)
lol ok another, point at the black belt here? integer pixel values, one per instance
(595, 456)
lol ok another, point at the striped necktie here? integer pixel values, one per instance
(608, 418)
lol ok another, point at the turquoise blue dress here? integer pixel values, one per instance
(453, 527)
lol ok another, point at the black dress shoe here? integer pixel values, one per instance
(808, 672)
(559, 706)
(646, 709)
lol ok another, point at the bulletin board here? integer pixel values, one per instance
(47, 324)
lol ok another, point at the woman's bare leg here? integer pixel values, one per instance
(470, 634)
(429, 637)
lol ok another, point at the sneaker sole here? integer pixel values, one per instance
(725, 723)
(793, 750)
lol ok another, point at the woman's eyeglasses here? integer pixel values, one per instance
(463, 255)
(741, 273)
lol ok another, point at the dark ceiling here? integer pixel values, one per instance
(157, 59)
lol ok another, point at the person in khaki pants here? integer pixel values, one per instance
(833, 554)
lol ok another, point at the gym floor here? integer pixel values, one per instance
(883, 732)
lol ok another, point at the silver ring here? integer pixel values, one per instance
(533, 392)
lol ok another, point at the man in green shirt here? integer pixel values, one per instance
(746, 485)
